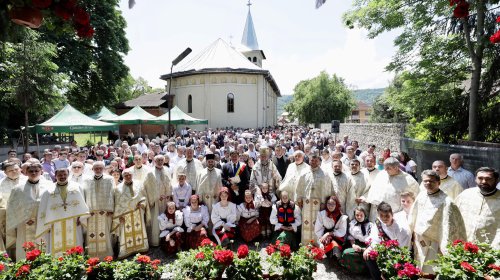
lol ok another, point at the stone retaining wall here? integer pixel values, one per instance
(382, 135)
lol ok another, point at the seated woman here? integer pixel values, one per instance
(286, 217)
(249, 218)
(171, 234)
(224, 217)
(196, 220)
(265, 199)
(359, 235)
(331, 227)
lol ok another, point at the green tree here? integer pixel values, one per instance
(321, 99)
(95, 66)
(31, 88)
(131, 88)
(428, 31)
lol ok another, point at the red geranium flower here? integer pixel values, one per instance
(242, 251)
(224, 257)
(495, 38)
(108, 259)
(23, 270)
(494, 266)
(270, 249)
(285, 251)
(317, 253)
(207, 242)
(75, 250)
(397, 265)
(143, 259)
(200, 256)
(471, 247)
(456, 242)
(467, 266)
(2, 267)
(89, 269)
(155, 262)
(93, 261)
(81, 16)
(498, 19)
(33, 254)
(461, 10)
(373, 254)
(28, 246)
(85, 31)
(41, 4)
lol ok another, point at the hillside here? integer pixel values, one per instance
(282, 101)
(369, 95)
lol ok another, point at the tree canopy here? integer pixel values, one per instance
(445, 49)
(321, 99)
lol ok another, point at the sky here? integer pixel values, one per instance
(299, 41)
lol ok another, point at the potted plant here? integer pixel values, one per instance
(395, 262)
(246, 266)
(141, 267)
(468, 260)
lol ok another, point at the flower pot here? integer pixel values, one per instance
(26, 16)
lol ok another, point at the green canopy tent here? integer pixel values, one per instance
(179, 117)
(103, 114)
(136, 115)
(73, 121)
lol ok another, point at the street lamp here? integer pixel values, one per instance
(174, 62)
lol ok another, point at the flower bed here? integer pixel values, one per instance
(75, 265)
(211, 262)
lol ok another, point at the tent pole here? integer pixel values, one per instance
(37, 146)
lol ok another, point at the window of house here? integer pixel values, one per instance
(190, 104)
(254, 59)
(230, 103)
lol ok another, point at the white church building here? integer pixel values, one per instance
(226, 84)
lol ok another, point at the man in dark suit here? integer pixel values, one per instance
(236, 177)
(281, 160)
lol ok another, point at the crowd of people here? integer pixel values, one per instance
(294, 185)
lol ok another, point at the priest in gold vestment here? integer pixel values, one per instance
(129, 216)
(294, 171)
(22, 209)
(158, 191)
(209, 183)
(189, 166)
(60, 214)
(313, 189)
(480, 208)
(342, 186)
(434, 220)
(98, 192)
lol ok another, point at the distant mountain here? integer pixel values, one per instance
(282, 101)
(369, 95)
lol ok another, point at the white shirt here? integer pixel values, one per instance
(394, 231)
(181, 195)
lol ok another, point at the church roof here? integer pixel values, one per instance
(249, 38)
(220, 57)
(151, 100)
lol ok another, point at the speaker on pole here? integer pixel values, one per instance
(335, 126)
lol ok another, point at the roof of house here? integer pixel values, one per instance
(220, 57)
(150, 100)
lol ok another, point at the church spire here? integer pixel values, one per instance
(249, 38)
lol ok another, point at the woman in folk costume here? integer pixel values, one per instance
(224, 218)
(196, 220)
(266, 200)
(171, 235)
(359, 235)
(331, 227)
(249, 226)
(286, 217)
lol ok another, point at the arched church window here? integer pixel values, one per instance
(249, 58)
(190, 104)
(254, 59)
(230, 103)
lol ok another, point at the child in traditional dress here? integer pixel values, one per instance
(248, 225)
(331, 227)
(265, 199)
(196, 220)
(359, 234)
(286, 218)
(224, 218)
(171, 234)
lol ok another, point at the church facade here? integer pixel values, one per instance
(227, 85)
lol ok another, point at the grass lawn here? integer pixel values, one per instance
(83, 138)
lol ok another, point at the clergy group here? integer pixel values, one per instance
(295, 186)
